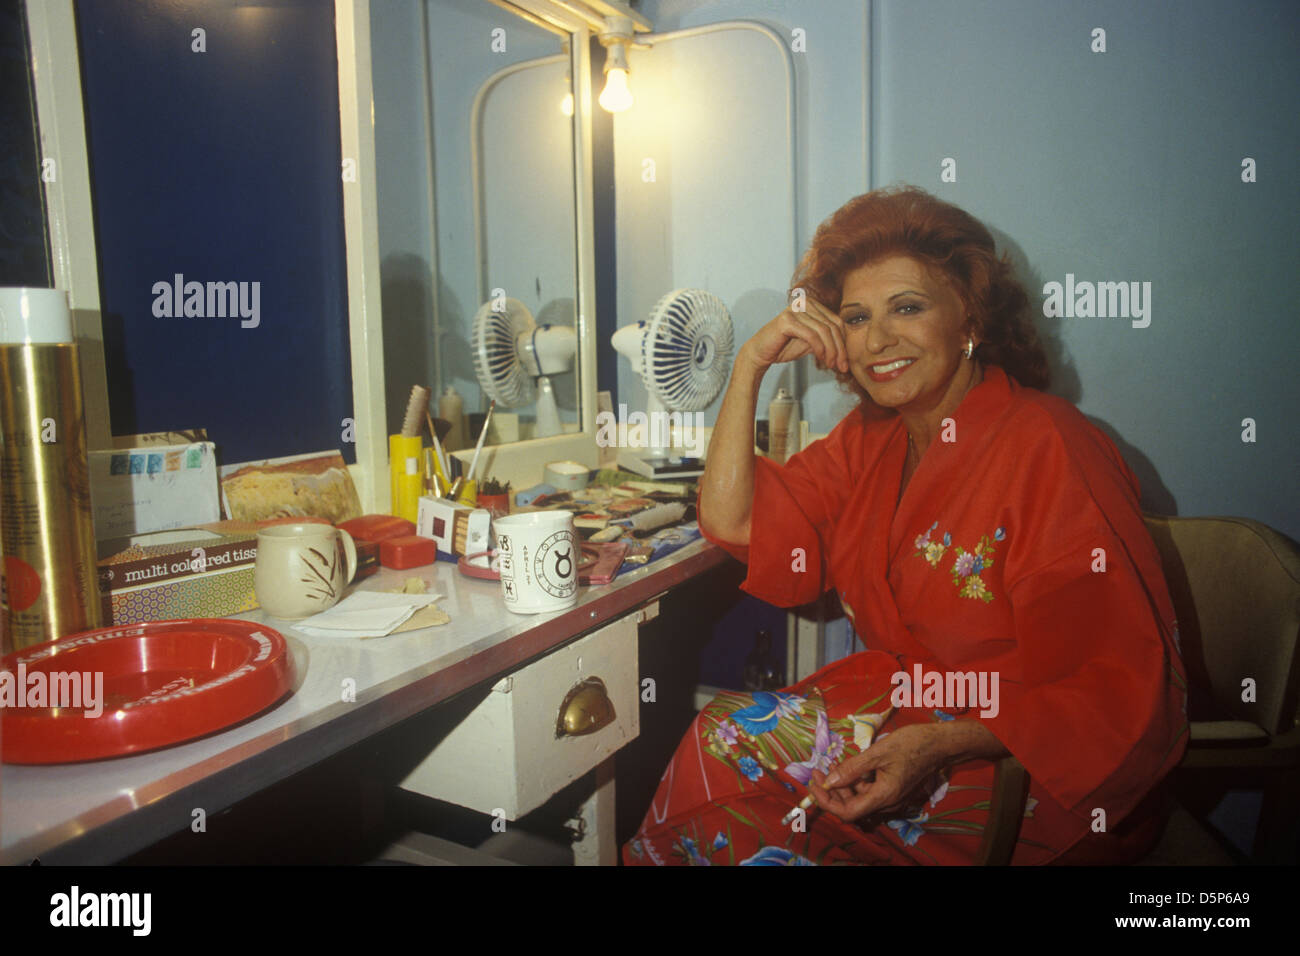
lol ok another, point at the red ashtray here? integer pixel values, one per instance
(124, 690)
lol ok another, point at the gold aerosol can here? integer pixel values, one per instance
(47, 533)
(782, 427)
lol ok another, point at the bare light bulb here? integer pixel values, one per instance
(616, 97)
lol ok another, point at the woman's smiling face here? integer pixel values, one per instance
(905, 330)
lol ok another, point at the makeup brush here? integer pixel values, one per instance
(440, 460)
(434, 481)
(459, 484)
(473, 465)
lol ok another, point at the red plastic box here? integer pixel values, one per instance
(377, 527)
(409, 551)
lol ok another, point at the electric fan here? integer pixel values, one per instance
(511, 350)
(683, 355)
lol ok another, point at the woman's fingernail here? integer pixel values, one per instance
(832, 781)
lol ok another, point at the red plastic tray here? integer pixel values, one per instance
(163, 683)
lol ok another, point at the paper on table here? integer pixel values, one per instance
(366, 613)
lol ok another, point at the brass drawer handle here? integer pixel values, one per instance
(585, 710)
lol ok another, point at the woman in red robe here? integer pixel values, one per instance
(986, 542)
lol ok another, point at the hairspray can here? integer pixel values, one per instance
(47, 532)
(451, 407)
(783, 427)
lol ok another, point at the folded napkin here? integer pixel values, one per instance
(366, 614)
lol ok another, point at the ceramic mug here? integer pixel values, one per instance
(538, 555)
(302, 569)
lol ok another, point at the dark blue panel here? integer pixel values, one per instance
(722, 659)
(24, 254)
(223, 166)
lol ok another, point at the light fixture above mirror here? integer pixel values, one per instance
(615, 25)
(617, 34)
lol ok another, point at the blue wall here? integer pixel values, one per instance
(223, 166)
(1127, 165)
(24, 250)
(1122, 165)
(710, 112)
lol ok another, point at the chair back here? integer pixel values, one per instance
(1235, 584)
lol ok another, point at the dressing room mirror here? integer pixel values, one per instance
(475, 164)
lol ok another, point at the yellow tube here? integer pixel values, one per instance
(406, 474)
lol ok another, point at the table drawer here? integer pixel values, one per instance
(506, 754)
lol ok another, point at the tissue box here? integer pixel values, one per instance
(204, 571)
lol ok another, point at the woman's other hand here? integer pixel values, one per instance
(794, 334)
(901, 762)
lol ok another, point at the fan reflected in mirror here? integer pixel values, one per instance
(514, 359)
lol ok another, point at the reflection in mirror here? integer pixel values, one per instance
(474, 146)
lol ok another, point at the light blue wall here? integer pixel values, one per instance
(1127, 165)
(1122, 165)
(711, 112)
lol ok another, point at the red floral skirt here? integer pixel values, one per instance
(727, 795)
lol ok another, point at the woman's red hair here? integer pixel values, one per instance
(905, 220)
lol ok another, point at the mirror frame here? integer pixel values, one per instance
(75, 264)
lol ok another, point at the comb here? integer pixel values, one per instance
(416, 411)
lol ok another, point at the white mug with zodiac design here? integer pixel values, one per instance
(538, 555)
(302, 569)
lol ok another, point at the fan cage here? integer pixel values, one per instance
(686, 350)
(496, 364)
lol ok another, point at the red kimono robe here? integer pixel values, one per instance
(1018, 551)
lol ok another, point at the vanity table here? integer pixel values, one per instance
(103, 811)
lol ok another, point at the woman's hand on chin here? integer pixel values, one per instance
(792, 335)
(900, 763)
